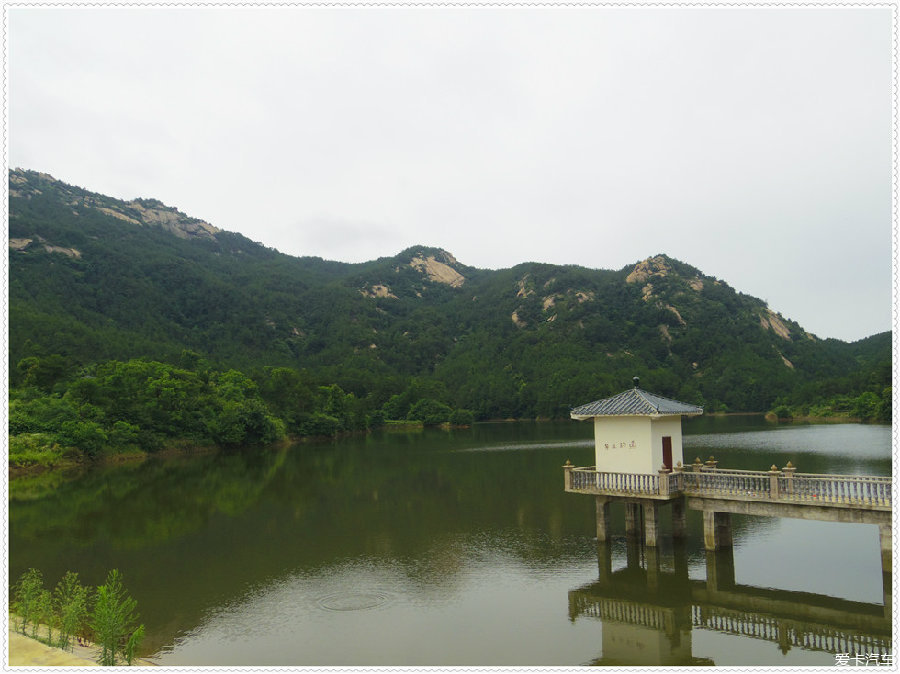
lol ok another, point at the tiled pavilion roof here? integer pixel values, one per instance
(634, 402)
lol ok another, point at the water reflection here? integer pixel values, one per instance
(422, 548)
(650, 614)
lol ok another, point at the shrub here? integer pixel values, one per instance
(245, 422)
(70, 599)
(44, 614)
(783, 412)
(318, 424)
(34, 449)
(114, 621)
(375, 419)
(430, 412)
(865, 406)
(123, 434)
(134, 641)
(88, 436)
(461, 418)
(27, 596)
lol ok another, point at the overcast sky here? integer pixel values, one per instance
(752, 143)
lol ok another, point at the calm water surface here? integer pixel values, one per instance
(454, 548)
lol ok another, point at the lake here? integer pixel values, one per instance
(454, 548)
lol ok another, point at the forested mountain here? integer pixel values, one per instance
(94, 279)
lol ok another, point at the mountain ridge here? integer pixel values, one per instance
(95, 277)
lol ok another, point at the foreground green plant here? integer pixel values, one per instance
(27, 597)
(70, 599)
(44, 615)
(114, 621)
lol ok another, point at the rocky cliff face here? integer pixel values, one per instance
(437, 267)
(142, 212)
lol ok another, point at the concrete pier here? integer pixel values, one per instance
(603, 503)
(718, 493)
(720, 569)
(679, 518)
(632, 519)
(717, 530)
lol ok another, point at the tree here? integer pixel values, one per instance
(430, 412)
(115, 621)
(28, 595)
(70, 599)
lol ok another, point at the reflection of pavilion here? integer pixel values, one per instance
(648, 614)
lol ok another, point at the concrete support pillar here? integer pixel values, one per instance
(887, 568)
(603, 504)
(680, 559)
(716, 530)
(651, 524)
(887, 593)
(723, 529)
(679, 518)
(719, 569)
(887, 561)
(651, 554)
(604, 562)
(710, 540)
(633, 553)
(632, 520)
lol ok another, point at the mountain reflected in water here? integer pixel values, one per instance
(459, 548)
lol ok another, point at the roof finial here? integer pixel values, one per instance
(636, 380)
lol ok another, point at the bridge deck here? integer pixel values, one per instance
(777, 486)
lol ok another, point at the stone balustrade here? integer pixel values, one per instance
(706, 480)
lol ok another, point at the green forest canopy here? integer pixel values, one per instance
(253, 344)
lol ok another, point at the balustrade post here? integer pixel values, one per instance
(663, 481)
(774, 474)
(789, 471)
(711, 463)
(679, 480)
(567, 475)
(698, 465)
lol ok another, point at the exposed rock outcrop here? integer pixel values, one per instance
(771, 321)
(141, 212)
(654, 266)
(24, 245)
(437, 270)
(378, 290)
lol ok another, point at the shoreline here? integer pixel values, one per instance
(185, 450)
(28, 651)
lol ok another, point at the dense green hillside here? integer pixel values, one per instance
(95, 279)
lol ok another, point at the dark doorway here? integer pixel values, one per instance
(667, 452)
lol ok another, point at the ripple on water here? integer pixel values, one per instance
(353, 601)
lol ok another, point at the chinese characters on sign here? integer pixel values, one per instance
(863, 660)
(620, 445)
